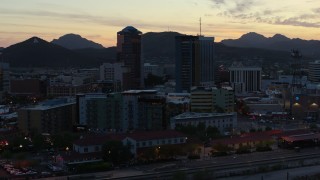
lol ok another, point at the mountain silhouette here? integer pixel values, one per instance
(278, 42)
(156, 48)
(36, 52)
(75, 41)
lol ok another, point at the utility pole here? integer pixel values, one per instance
(200, 25)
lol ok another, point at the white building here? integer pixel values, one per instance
(136, 140)
(111, 72)
(223, 121)
(245, 79)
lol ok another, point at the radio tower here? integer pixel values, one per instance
(296, 85)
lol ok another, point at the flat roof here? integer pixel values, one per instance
(301, 137)
(191, 115)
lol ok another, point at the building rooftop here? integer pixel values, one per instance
(302, 137)
(54, 103)
(151, 135)
(139, 92)
(192, 115)
(137, 135)
(129, 29)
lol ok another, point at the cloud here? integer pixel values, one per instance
(246, 11)
(316, 10)
(218, 2)
(100, 20)
(297, 22)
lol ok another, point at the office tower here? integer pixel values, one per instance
(314, 71)
(129, 53)
(4, 79)
(245, 79)
(194, 62)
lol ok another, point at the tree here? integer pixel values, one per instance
(212, 132)
(221, 149)
(116, 152)
(63, 140)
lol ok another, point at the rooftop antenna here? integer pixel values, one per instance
(200, 25)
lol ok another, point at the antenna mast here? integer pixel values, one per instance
(200, 25)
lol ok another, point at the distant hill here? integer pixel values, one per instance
(310, 48)
(36, 52)
(157, 48)
(74, 41)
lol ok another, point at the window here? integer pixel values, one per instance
(85, 149)
(138, 144)
(181, 140)
(143, 143)
(163, 141)
(150, 143)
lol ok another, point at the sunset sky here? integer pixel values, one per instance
(99, 20)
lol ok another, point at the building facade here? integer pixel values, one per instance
(52, 116)
(129, 53)
(245, 79)
(114, 112)
(194, 62)
(93, 110)
(4, 79)
(130, 119)
(314, 71)
(225, 122)
(212, 99)
(111, 72)
(152, 113)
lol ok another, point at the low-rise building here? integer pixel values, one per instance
(212, 99)
(225, 122)
(136, 140)
(52, 116)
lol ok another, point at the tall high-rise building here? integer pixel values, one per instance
(4, 79)
(194, 62)
(245, 79)
(314, 71)
(93, 110)
(129, 53)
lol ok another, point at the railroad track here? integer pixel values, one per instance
(219, 167)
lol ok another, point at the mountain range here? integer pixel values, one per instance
(75, 41)
(36, 52)
(310, 48)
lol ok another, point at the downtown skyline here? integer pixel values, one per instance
(99, 20)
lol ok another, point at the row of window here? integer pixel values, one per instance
(160, 142)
